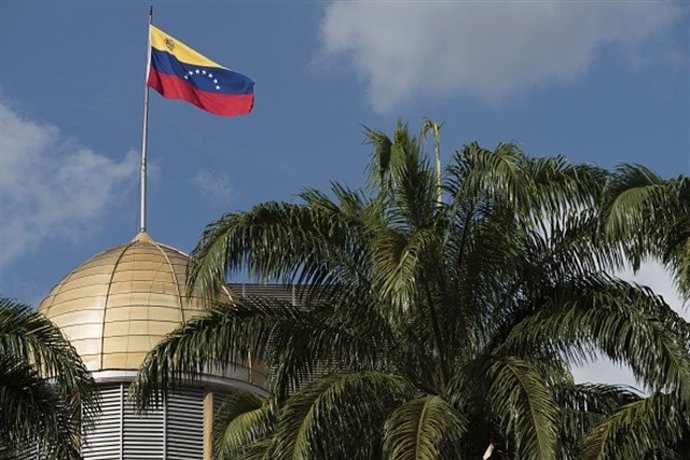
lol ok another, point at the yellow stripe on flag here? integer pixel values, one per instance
(165, 42)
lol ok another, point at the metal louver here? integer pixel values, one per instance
(103, 441)
(143, 436)
(173, 431)
(185, 425)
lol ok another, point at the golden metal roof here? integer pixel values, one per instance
(117, 305)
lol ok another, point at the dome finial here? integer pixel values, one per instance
(143, 236)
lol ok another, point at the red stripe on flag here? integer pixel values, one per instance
(219, 104)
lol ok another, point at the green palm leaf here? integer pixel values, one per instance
(347, 404)
(638, 429)
(242, 426)
(418, 429)
(583, 407)
(295, 340)
(525, 408)
(650, 216)
(619, 319)
(46, 392)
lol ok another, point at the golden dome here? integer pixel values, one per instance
(118, 305)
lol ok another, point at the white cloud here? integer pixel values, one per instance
(213, 185)
(489, 50)
(51, 186)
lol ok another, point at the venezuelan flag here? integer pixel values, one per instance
(177, 71)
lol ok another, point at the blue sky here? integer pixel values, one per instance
(603, 83)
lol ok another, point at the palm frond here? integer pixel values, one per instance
(351, 405)
(34, 413)
(398, 260)
(624, 321)
(220, 339)
(298, 244)
(583, 406)
(630, 192)
(650, 216)
(525, 408)
(418, 429)
(41, 368)
(295, 340)
(32, 337)
(638, 429)
(242, 425)
(382, 156)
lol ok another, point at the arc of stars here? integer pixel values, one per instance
(191, 73)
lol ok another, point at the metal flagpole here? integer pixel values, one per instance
(144, 132)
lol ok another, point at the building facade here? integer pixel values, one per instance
(114, 308)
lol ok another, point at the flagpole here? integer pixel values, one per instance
(144, 132)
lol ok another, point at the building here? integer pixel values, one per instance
(114, 308)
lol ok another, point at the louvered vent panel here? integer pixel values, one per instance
(171, 433)
(282, 292)
(185, 425)
(143, 434)
(102, 441)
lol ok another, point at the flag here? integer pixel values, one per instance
(177, 71)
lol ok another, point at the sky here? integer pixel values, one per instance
(603, 83)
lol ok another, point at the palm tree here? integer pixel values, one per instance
(651, 217)
(430, 330)
(46, 392)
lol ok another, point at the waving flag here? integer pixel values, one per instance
(177, 71)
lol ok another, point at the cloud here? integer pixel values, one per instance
(51, 186)
(213, 185)
(488, 50)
